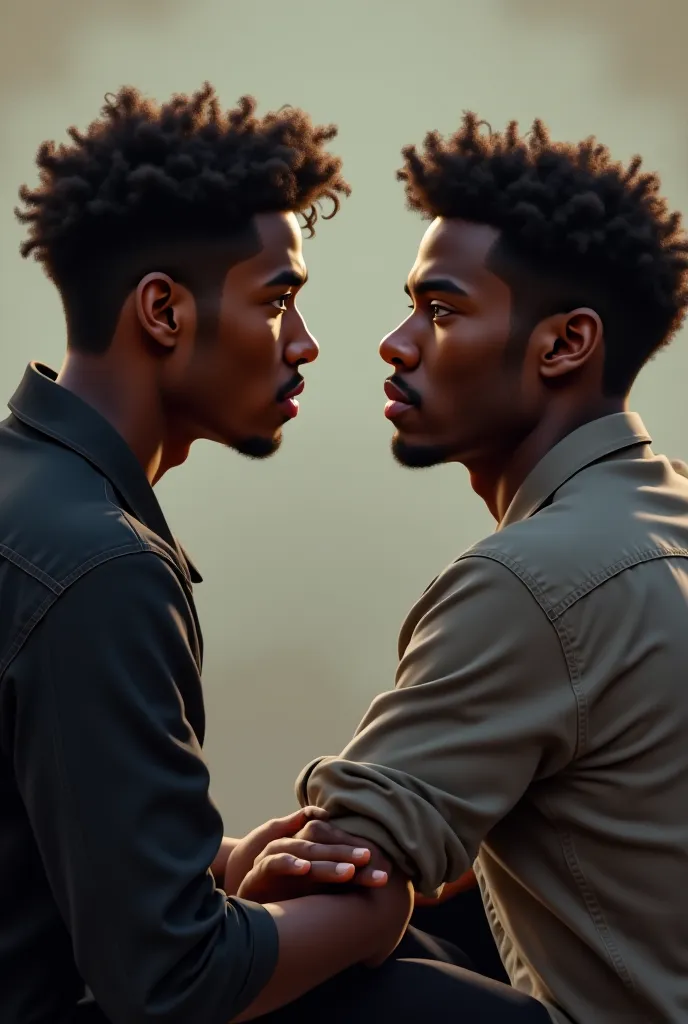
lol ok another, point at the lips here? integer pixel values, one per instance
(395, 394)
(286, 400)
(294, 391)
(401, 400)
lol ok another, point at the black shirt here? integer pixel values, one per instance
(106, 824)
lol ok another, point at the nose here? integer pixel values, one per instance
(302, 346)
(399, 349)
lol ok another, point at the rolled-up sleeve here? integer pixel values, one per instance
(483, 706)
(117, 793)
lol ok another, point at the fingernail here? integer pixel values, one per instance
(301, 864)
(361, 853)
(379, 875)
(343, 869)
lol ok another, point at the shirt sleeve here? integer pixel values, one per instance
(117, 793)
(483, 706)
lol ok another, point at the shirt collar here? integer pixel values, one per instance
(40, 403)
(582, 447)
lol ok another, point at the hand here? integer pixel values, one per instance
(391, 900)
(301, 866)
(242, 857)
(377, 868)
(291, 868)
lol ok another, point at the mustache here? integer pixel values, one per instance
(290, 386)
(411, 395)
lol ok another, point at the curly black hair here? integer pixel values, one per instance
(147, 177)
(576, 228)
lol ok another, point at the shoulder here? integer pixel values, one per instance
(60, 517)
(612, 515)
(476, 597)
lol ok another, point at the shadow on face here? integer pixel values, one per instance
(454, 396)
(237, 382)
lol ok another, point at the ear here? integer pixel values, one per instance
(162, 309)
(569, 341)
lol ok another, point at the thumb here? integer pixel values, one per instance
(285, 828)
(241, 861)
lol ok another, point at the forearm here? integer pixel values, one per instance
(319, 936)
(217, 868)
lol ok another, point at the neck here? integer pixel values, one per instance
(497, 480)
(127, 398)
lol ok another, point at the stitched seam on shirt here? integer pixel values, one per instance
(529, 581)
(566, 641)
(29, 568)
(99, 559)
(568, 647)
(595, 911)
(81, 570)
(131, 523)
(46, 604)
(596, 580)
(24, 633)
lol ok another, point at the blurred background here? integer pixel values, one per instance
(311, 560)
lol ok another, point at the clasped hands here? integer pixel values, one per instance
(301, 855)
(304, 855)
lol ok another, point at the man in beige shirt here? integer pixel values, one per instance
(539, 724)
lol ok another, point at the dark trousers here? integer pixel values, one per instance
(426, 982)
(462, 922)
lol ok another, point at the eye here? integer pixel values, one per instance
(438, 311)
(281, 303)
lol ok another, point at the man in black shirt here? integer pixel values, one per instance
(171, 235)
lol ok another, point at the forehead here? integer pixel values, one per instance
(280, 238)
(275, 248)
(455, 248)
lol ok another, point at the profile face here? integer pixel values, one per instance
(453, 392)
(244, 382)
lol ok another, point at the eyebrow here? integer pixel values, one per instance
(437, 284)
(288, 278)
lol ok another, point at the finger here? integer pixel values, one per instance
(316, 813)
(326, 872)
(313, 852)
(371, 878)
(289, 825)
(324, 832)
(284, 864)
(277, 828)
(244, 857)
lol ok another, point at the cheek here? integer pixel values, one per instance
(244, 356)
(463, 356)
(469, 369)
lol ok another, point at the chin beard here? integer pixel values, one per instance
(418, 456)
(258, 447)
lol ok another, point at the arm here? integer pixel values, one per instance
(319, 936)
(219, 865)
(483, 706)
(116, 790)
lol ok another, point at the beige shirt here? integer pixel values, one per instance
(540, 724)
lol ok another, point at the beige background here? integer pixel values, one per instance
(312, 559)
